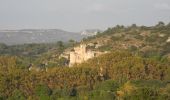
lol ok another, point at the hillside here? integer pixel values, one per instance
(113, 76)
(134, 65)
(154, 40)
(142, 40)
(28, 36)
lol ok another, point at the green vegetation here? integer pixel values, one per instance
(37, 54)
(124, 76)
(138, 39)
(137, 67)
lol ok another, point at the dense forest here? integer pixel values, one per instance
(131, 73)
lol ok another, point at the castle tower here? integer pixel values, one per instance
(80, 54)
(72, 58)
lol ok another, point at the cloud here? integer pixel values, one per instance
(162, 6)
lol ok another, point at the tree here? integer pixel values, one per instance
(72, 42)
(43, 92)
(73, 91)
(60, 45)
(134, 26)
(17, 95)
(160, 24)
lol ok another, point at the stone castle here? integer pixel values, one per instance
(81, 54)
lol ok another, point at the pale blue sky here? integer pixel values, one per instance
(76, 15)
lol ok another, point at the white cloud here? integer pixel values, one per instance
(162, 6)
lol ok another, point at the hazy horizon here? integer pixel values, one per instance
(77, 15)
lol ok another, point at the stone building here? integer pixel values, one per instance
(81, 54)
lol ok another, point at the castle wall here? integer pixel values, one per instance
(80, 55)
(72, 58)
(89, 54)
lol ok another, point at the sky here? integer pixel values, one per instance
(77, 15)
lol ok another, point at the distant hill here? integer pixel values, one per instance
(27, 36)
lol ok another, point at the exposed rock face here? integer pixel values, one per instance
(90, 32)
(81, 54)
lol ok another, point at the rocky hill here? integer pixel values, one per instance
(153, 40)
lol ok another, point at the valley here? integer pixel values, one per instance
(120, 63)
